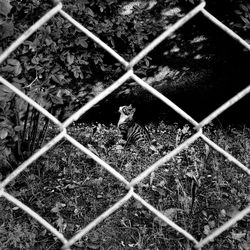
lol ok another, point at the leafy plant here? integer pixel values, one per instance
(70, 190)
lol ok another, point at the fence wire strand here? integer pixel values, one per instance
(129, 74)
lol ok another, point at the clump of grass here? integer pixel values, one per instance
(198, 189)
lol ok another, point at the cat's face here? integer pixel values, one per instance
(127, 113)
(127, 110)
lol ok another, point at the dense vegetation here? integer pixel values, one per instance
(69, 190)
(61, 69)
(61, 73)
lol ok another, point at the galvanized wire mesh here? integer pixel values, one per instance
(129, 74)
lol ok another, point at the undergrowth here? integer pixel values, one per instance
(199, 189)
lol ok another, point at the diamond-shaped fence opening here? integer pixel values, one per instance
(128, 75)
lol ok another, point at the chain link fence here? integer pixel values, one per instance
(58, 9)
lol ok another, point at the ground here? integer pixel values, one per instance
(198, 189)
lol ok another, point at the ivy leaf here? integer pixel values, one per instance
(82, 41)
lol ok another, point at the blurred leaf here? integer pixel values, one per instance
(93, 246)
(237, 236)
(13, 66)
(138, 205)
(245, 7)
(231, 211)
(170, 213)
(19, 81)
(6, 30)
(55, 78)
(98, 88)
(18, 128)
(5, 7)
(92, 149)
(13, 62)
(152, 177)
(245, 245)
(211, 224)
(60, 224)
(5, 89)
(90, 12)
(57, 207)
(206, 230)
(8, 68)
(48, 41)
(245, 20)
(56, 100)
(70, 58)
(3, 133)
(238, 12)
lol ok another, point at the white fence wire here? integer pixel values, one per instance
(129, 74)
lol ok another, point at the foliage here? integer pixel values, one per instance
(61, 69)
(61, 73)
(69, 189)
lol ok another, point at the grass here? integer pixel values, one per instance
(69, 190)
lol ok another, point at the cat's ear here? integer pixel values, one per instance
(130, 106)
(133, 110)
